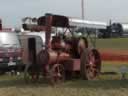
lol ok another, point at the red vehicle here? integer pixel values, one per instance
(60, 55)
(10, 51)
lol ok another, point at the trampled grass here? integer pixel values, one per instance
(105, 85)
(72, 88)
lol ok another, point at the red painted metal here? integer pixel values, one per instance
(52, 57)
(61, 52)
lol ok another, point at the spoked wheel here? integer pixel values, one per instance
(29, 74)
(84, 58)
(57, 74)
(90, 64)
(94, 65)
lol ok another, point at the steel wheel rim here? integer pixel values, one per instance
(93, 68)
(57, 73)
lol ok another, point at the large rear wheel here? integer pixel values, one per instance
(84, 58)
(94, 65)
(90, 64)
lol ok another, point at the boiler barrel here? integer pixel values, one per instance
(52, 57)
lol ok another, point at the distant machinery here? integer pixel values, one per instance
(114, 30)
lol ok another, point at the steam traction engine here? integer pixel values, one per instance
(60, 55)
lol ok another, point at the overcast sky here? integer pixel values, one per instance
(11, 11)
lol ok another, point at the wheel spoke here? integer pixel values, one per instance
(93, 68)
(57, 73)
(93, 64)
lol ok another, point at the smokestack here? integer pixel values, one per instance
(0, 24)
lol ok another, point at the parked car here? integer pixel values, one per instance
(10, 52)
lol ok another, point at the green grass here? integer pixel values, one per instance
(105, 85)
(114, 43)
(114, 66)
(72, 88)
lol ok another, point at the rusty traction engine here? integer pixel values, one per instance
(61, 56)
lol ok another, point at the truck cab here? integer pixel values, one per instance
(10, 51)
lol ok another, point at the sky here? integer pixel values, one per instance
(12, 11)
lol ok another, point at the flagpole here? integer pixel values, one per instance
(82, 9)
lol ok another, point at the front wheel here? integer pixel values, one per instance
(57, 74)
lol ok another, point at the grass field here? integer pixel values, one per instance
(114, 43)
(105, 85)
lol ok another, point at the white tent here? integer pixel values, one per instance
(87, 24)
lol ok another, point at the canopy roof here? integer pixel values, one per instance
(64, 22)
(57, 20)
